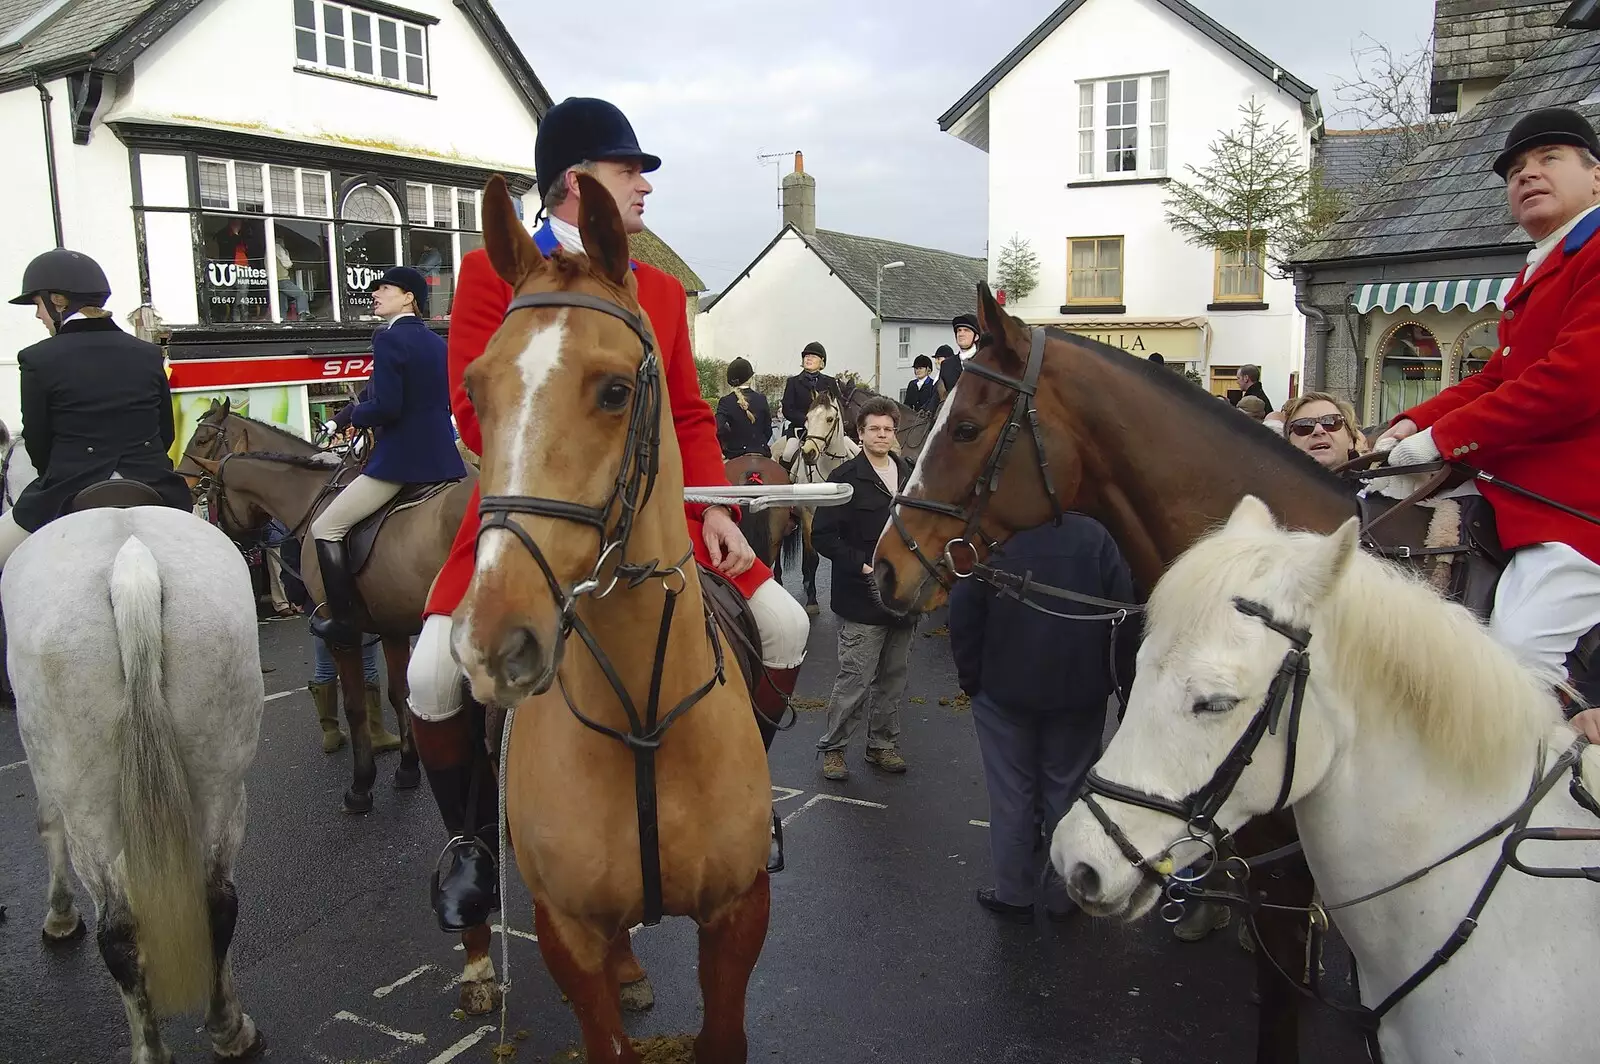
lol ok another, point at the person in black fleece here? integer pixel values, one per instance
(1040, 686)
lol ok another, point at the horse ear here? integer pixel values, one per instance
(1330, 558)
(1003, 333)
(511, 250)
(227, 404)
(1251, 513)
(604, 240)
(205, 463)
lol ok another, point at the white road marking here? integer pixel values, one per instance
(14, 764)
(815, 798)
(385, 991)
(497, 928)
(462, 1046)
(283, 694)
(399, 1036)
(787, 793)
(979, 823)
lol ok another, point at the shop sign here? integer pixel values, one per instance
(196, 374)
(358, 282)
(1175, 343)
(232, 285)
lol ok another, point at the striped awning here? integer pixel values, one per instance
(1472, 294)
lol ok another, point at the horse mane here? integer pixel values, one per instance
(321, 460)
(1392, 642)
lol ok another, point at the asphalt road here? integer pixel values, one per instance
(877, 950)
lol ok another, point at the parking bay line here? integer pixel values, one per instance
(399, 1036)
(462, 1046)
(14, 764)
(815, 798)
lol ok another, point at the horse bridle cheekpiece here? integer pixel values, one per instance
(613, 522)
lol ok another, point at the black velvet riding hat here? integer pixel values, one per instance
(1551, 125)
(581, 129)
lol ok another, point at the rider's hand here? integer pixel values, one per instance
(730, 551)
(1395, 433)
(1588, 722)
(1414, 449)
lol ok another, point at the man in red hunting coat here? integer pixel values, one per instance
(594, 137)
(1532, 415)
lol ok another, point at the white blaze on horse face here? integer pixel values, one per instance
(914, 485)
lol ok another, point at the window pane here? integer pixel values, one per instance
(247, 183)
(466, 209)
(301, 259)
(368, 251)
(214, 184)
(235, 283)
(314, 190)
(442, 214)
(1082, 255)
(305, 15)
(432, 252)
(361, 27)
(417, 204)
(414, 73)
(284, 189)
(305, 46)
(333, 20)
(387, 35)
(470, 241)
(361, 56)
(367, 204)
(389, 64)
(413, 40)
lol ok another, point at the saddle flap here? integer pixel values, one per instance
(115, 494)
(733, 616)
(362, 538)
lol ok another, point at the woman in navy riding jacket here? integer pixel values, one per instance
(407, 402)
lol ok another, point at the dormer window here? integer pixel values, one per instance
(361, 43)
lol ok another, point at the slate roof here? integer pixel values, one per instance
(932, 286)
(74, 32)
(1349, 157)
(1447, 200)
(651, 250)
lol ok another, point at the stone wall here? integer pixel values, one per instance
(1486, 39)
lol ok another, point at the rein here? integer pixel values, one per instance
(613, 522)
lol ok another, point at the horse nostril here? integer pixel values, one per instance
(519, 657)
(883, 575)
(1083, 883)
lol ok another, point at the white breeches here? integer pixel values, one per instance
(1548, 597)
(11, 537)
(435, 678)
(359, 500)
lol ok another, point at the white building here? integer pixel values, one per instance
(244, 169)
(1085, 122)
(815, 284)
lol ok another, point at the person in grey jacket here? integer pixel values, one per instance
(1040, 686)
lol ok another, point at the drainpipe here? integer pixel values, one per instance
(1321, 329)
(45, 99)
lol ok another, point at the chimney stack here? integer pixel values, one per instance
(800, 198)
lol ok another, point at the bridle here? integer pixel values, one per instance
(823, 442)
(7, 500)
(613, 521)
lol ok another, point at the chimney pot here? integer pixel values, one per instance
(799, 162)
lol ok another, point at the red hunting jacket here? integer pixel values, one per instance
(1532, 415)
(480, 306)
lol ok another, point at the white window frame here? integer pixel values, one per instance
(1152, 122)
(903, 350)
(270, 208)
(347, 36)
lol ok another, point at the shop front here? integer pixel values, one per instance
(1182, 343)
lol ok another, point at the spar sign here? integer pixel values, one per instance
(198, 374)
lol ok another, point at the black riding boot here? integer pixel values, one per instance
(465, 887)
(339, 628)
(774, 687)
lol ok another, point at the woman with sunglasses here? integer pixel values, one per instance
(1324, 428)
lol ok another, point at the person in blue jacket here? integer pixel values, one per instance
(407, 402)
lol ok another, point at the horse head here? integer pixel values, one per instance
(218, 432)
(823, 422)
(239, 514)
(569, 396)
(1214, 734)
(982, 429)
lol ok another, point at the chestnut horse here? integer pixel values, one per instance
(584, 532)
(1153, 458)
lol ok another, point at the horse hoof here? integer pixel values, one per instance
(254, 1051)
(480, 997)
(357, 803)
(52, 937)
(638, 996)
(407, 779)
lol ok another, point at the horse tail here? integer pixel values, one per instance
(757, 528)
(790, 551)
(162, 868)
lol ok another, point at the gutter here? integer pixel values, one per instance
(1321, 329)
(45, 99)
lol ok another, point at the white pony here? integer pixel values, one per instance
(812, 461)
(1419, 732)
(137, 674)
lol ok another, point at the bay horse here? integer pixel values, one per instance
(1153, 458)
(811, 460)
(1415, 755)
(136, 664)
(584, 532)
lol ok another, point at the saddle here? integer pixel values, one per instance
(732, 614)
(115, 494)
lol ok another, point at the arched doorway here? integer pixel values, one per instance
(1411, 369)
(1475, 348)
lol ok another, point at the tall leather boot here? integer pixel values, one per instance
(383, 740)
(339, 627)
(774, 687)
(325, 697)
(465, 889)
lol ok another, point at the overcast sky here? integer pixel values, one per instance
(858, 85)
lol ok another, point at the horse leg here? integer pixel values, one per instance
(808, 564)
(637, 993)
(397, 659)
(1281, 941)
(730, 944)
(585, 967)
(63, 923)
(233, 1033)
(480, 989)
(119, 947)
(353, 685)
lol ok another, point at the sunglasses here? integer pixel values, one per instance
(1305, 426)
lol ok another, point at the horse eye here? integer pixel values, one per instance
(966, 432)
(1216, 704)
(614, 396)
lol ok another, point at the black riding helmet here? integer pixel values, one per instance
(72, 273)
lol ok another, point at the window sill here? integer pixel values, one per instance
(369, 83)
(1235, 305)
(1111, 182)
(1093, 308)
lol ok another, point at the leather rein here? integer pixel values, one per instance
(613, 522)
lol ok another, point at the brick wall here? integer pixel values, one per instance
(1486, 39)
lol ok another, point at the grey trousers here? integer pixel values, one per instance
(1034, 766)
(871, 680)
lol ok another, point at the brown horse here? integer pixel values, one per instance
(584, 532)
(764, 529)
(1154, 459)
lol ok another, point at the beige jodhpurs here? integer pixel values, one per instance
(360, 500)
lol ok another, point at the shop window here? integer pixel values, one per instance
(305, 288)
(235, 285)
(258, 269)
(369, 239)
(1476, 347)
(433, 253)
(1412, 369)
